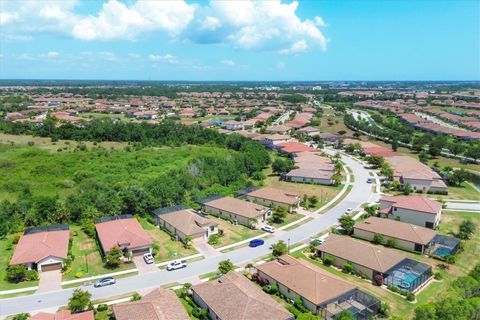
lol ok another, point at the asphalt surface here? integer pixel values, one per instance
(360, 193)
(470, 206)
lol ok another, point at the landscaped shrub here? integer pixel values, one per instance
(102, 307)
(392, 243)
(410, 296)
(437, 276)
(328, 260)
(348, 268)
(213, 239)
(377, 238)
(79, 275)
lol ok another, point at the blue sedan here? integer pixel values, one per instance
(369, 180)
(255, 243)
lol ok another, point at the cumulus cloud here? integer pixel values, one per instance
(228, 62)
(243, 24)
(52, 54)
(165, 58)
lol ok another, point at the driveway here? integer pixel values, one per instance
(49, 281)
(205, 249)
(142, 266)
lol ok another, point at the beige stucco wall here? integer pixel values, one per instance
(367, 235)
(310, 180)
(269, 203)
(339, 262)
(232, 217)
(415, 217)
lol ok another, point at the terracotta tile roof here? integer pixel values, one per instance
(160, 304)
(310, 173)
(411, 168)
(186, 221)
(361, 253)
(279, 128)
(63, 315)
(397, 229)
(34, 247)
(238, 207)
(294, 147)
(123, 232)
(276, 195)
(415, 203)
(234, 297)
(307, 280)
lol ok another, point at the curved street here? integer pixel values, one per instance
(360, 193)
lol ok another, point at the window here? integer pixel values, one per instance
(212, 228)
(429, 224)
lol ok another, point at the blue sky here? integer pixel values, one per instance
(270, 40)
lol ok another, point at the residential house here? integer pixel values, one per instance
(183, 222)
(159, 304)
(237, 211)
(379, 264)
(125, 232)
(407, 236)
(63, 315)
(279, 129)
(233, 125)
(320, 293)
(272, 197)
(416, 210)
(234, 297)
(42, 248)
(310, 176)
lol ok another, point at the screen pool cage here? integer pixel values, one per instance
(408, 275)
(442, 246)
(361, 305)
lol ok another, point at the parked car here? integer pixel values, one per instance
(104, 282)
(369, 180)
(178, 264)
(148, 258)
(319, 241)
(349, 210)
(255, 243)
(268, 229)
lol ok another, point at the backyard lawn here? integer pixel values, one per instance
(7, 250)
(168, 248)
(464, 192)
(232, 233)
(88, 259)
(323, 193)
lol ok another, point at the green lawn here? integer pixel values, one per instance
(464, 192)
(6, 254)
(88, 259)
(288, 219)
(232, 233)
(169, 249)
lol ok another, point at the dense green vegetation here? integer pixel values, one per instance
(78, 186)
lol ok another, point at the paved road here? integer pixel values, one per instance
(284, 117)
(470, 206)
(361, 192)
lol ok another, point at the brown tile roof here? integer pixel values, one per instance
(186, 221)
(310, 173)
(307, 280)
(63, 315)
(361, 253)
(411, 168)
(276, 195)
(160, 304)
(34, 247)
(234, 297)
(238, 207)
(397, 229)
(294, 147)
(415, 203)
(122, 232)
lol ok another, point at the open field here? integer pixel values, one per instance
(87, 257)
(168, 249)
(47, 144)
(62, 173)
(401, 308)
(232, 233)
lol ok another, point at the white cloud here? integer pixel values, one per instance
(210, 24)
(52, 54)
(244, 24)
(8, 17)
(228, 62)
(165, 58)
(119, 21)
(108, 56)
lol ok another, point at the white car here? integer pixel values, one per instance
(148, 258)
(178, 264)
(268, 229)
(349, 210)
